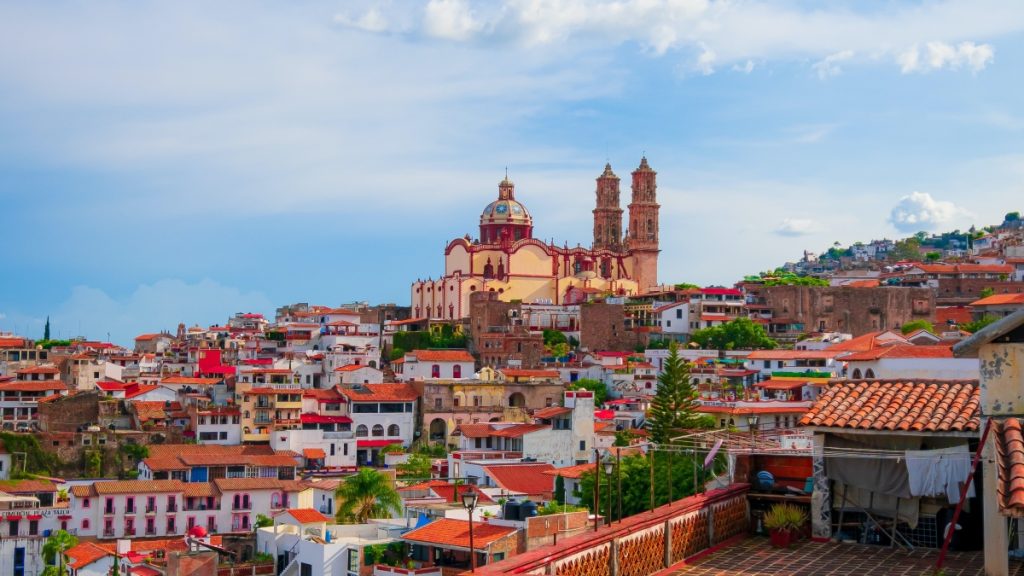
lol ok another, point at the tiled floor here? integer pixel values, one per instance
(756, 557)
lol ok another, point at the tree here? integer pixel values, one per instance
(906, 249)
(623, 438)
(674, 405)
(599, 389)
(46, 329)
(933, 256)
(1012, 216)
(915, 325)
(367, 494)
(978, 324)
(263, 521)
(56, 545)
(552, 337)
(738, 334)
(417, 466)
(986, 292)
(686, 286)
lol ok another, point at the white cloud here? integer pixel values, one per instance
(450, 20)
(736, 33)
(746, 68)
(797, 227)
(829, 66)
(919, 211)
(371, 21)
(940, 55)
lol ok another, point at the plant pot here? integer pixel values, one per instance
(780, 538)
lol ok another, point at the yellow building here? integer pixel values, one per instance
(507, 259)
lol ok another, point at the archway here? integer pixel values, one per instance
(517, 400)
(438, 430)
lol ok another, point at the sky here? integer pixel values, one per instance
(166, 162)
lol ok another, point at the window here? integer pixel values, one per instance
(13, 532)
(170, 525)
(393, 430)
(437, 403)
(361, 431)
(679, 313)
(129, 505)
(344, 448)
(85, 524)
(332, 448)
(85, 502)
(435, 371)
(353, 560)
(583, 445)
(378, 430)
(33, 527)
(457, 371)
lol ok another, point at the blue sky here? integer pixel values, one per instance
(181, 161)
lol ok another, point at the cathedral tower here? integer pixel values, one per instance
(608, 214)
(643, 227)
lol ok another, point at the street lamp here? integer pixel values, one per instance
(469, 499)
(752, 425)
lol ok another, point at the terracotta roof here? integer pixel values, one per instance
(26, 486)
(85, 553)
(381, 393)
(459, 355)
(551, 412)
(81, 490)
(1000, 300)
(871, 283)
(868, 341)
(524, 478)
(1010, 464)
(352, 367)
(965, 268)
(12, 342)
(450, 533)
(33, 385)
(306, 515)
(958, 314)
(447, 491)
(792, 354)
(901, 351)
(224, 484)
(145, 337)
(483, 430)
(519, 373)
(38, 370)
(925, 406)
(200, 489)
(572, 472)
(138, 486)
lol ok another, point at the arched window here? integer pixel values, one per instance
(435, 371)
(378, 430)
(869, 373)
(393, 430)
(361, 431)
(457, 371)
(856, 373)
(247, 414)
(275, 500)
(85, 524)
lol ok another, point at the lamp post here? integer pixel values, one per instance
(469, 499)
(608, 465)
(618, 480)
(752, 425)
(597, 487)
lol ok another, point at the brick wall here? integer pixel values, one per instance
(603, 327)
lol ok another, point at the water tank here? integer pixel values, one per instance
(511, 510)
(528, 509)
(765, 480)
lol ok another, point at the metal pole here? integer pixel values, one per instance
(670, 476)
(472, 552)
(618, 479)
(597, 488)
(651, 454)
(609, 508)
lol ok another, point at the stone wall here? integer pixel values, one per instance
(603, 327)
(967, 290)
(844, 309)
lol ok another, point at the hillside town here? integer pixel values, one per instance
(540, 408)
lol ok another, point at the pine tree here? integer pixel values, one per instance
(46, 329)
(675, 403)
(559, 489)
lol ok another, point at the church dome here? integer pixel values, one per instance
(505, 212)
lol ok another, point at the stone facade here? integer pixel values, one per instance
(953, 291)
(603, 327)
(498, 335)
(801, 309)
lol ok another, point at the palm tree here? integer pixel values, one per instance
(53, 552)
(367, 494)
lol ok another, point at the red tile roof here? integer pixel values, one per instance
(85, 553)
(483, 430)
(447, 491)
(792, 354)
(520, 373)
(33, 386)
(551, 412)
(306, 515)
(352, 367)
(1000, 300)
(901, 351)
(925, 406)
(958, 314)
(12, 342)
(459, 355)
(145, 337)
(450, 533)
(182, 380)
(138, 486)
(965, 268)
(381, 393)
(572, 472)
(38, 370)
(1010, 464)
(26, 486)
(524, 478)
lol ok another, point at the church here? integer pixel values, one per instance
(507, 259)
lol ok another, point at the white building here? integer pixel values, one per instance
(325, 450)
(305, 542)
(434, 365)
(352, 374)
(382, 414)
(911, 362)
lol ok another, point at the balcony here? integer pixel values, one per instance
(108, 532)
(129, 531)
(256, 437)
(172, 508)
(109, 511)
(151, 509)
(241, 507)
(151, 531)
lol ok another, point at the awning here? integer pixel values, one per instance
(376, 443)
(34, 517)
(780, 385)
(13, 517)
(321, 419)
(314, 453)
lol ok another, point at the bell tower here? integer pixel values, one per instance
(643, 226)
(608, 214)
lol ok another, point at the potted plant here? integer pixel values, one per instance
(784, 522)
